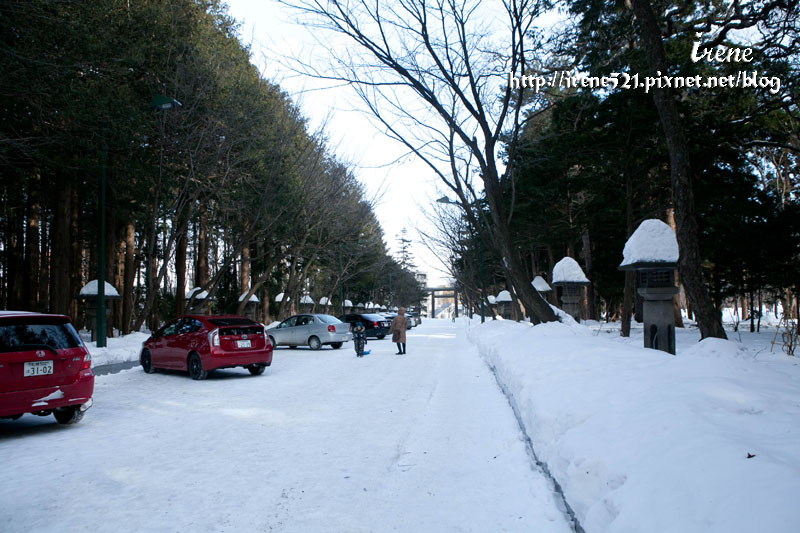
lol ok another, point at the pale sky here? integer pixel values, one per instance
(405, 188)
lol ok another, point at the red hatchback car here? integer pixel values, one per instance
(201, 343)
(44, 367)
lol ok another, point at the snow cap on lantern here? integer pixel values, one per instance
(568, 271)
(503, 296)
(653, 244)
(540, 284)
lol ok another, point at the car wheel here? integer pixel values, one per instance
(256, 370)
(272, 341)
(314, 343)
(196, 371)
(381, 337)
(336, 345)
(147, 362)
(68, 415)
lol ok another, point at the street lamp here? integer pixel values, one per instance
(446, 200)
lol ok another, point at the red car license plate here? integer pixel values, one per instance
(243, 344)
(38, 368)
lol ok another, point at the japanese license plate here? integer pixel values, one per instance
(243, 344)
(38, 368)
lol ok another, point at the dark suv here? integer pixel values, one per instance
(44, 367)
(375, 325)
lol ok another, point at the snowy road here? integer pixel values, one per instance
(322, 442)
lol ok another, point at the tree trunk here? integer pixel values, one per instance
(31, 295)
(78, 274)
(708, 319)
(16, 264)
(591, 300)
(44, 260)
(676, 300)
(60, 263)
(627, 303)
(180, 272)
(201, 270)
(630, 275)
(244, 271)
(129, 278)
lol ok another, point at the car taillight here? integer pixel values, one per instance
(266, 337)
(331, 329)
(87, 361)
(375, 325)
(213, 338)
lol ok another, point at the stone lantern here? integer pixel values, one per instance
(569, 275)
(652, 251)
(348, 306)
(250, 306)
(503, 302)
(306, 303)
(198, 307)
(89, 295)
(323, 304)
(360, 307)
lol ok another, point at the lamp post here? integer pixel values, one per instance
(446, 200)
(159, 102)
(100, 319)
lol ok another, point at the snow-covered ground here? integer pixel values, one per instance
(638, 440)
(323, 441)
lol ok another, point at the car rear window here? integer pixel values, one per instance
(374, 318)
(242, 330)
(328, 319)
(235, 321)
(16, 337)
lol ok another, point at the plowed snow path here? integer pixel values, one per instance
(323, 441)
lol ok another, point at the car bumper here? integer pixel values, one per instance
(48, 398)
(332, 338)
(221, 359)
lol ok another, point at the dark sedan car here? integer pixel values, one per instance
(375, 325)
(200, 343)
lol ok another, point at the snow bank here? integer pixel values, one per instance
(652, 242)
(568, 271)
(118, 349)
(643, 441)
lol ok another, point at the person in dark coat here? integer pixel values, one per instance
(398, 330)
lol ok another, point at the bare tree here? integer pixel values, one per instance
(434, 76)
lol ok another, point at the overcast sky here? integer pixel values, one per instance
(405, 188)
